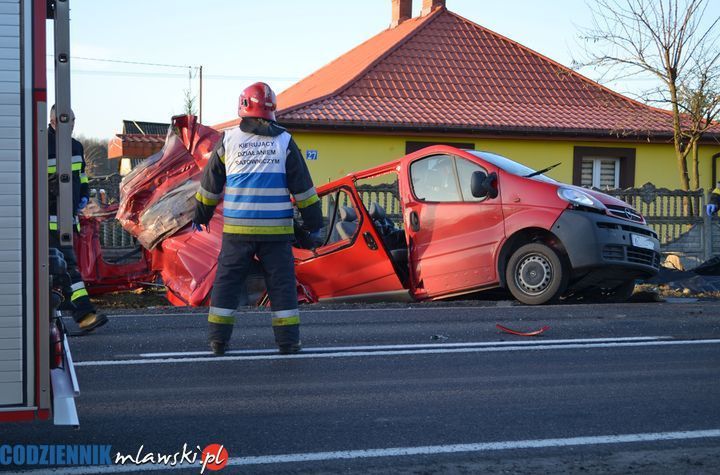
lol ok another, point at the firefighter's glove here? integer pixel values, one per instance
(199, 227)
(711, 209)
(83, 203)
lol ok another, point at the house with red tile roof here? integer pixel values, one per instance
(137, 141)
(441, 78)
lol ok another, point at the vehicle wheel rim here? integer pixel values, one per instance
(534, 274)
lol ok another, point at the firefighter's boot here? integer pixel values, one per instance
(219, 336)
(218, 347)
(287, 338)
(91, 321)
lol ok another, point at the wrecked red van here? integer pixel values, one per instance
(443, 222)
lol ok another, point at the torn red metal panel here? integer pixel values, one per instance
(187, 262)
(515, 332)
(157, 202)
(99, 273)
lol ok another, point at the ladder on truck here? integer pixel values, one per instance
(64, 381)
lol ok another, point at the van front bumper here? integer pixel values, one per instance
(597, 241)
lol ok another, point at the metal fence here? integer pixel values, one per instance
(671, 213)
(112, 235)
(386, 195)
(679, 219)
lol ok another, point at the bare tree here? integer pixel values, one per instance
(96, 152)
(699, 98)
(672, 41)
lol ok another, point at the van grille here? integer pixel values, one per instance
(628, 228)
(643, 256)
(634, 255)
(613, 253)
(624, 212)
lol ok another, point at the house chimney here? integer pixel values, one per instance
(401, 11)
(429, 6)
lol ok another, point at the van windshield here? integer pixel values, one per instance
(510, 166)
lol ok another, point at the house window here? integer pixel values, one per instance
(600, 172)
(604, 167)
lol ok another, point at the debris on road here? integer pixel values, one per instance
(537, 332)
(704, 280)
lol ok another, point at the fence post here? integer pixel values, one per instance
(707, 233)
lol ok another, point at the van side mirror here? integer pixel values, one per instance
(482, 185)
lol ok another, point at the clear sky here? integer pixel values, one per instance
(242, 41)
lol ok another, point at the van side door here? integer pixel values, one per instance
(452, 236)
(349, 261)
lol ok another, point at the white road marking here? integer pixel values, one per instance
(302, 311)
(409, 347)
(418, 352)
(401, 452)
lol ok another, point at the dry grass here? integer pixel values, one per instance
(140, 298)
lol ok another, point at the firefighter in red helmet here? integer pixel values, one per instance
(259, 166)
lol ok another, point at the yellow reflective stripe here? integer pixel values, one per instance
(233, 229)
(222, 159)
(281, 322)
(305, 203)
(222, 320)
(76, 167)
(206, 201)
(716, 191)
(52, 169)
(78, 293)
(84, 178)
(54, 225)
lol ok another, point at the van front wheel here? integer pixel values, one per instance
(535, 274)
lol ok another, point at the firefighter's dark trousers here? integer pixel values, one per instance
(233, 267)
(76, 293)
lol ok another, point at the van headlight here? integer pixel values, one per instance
(578, 198)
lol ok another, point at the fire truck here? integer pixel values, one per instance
(37, 379)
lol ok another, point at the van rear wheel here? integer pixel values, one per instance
(535, 274)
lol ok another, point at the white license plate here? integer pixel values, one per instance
(642, 241)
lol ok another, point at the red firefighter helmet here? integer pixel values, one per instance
(257, 100)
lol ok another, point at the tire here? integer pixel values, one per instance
(535, 274)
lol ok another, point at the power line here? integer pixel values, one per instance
(169, 75)
(194, 71)
(141, 63)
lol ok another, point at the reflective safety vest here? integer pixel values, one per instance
(257, 200)
(256, 183)
(259, 167)
(54, 223)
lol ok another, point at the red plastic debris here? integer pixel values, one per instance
(515, 332)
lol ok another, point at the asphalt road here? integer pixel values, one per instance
(629, 388)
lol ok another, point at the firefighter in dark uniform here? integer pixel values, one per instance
(259, 166)
(714, 202)
(84, 313)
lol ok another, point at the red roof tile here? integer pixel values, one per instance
(135, 145)
(444, 72)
